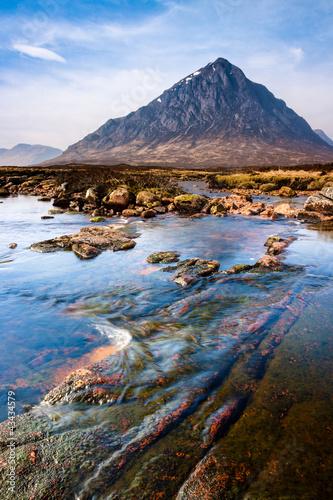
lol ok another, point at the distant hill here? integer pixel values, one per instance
(27, 154)
(214, 117)
(324, 137)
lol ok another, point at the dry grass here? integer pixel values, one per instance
(270, 180)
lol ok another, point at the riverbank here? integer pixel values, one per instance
(141, 192)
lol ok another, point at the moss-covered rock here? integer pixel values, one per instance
(147, 198)
(188, 271)
(190, 203)
(97, 219)
(218, 209)
(287, 192)
(267, 188)
(163, 257)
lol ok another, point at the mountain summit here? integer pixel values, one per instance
(214, 117)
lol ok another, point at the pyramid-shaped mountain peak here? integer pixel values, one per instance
(213, 117)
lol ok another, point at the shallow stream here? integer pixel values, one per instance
(179, 349)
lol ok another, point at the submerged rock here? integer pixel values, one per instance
(55, 211)
(163, 257)
(88, 243)
(270, 261)
(190, 270)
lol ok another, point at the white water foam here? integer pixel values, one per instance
(119, 337)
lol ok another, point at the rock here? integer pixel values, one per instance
(4, 191)
(190, 270)
(84, 251)
(55, 211)
(249, 211)
(12, 245)
(16, 179)
(269, 262)
(240, 198)
(286, 210)
(130, 213)
(100, 238)
(44, 198)
(92, 196)
(97, 219)
(61, 202)
(48, 246)
(319, 203)
(146, 197)
(269, 212)
(118, 199)
(190, 203)
(277, 245)
(163, 257)
(271, 240)
(201, 215)
(310, 216)
(148, 214)
(45, 217)
(327, 192)
(63, 187)
(218, 209)
(237, 269)
(287, 192)
(160, 210)
(267, 188)
(166, 201)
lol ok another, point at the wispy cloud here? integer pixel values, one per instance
(114, 51)
(38, 52)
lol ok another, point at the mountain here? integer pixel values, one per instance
(324, 137)
(214, 117)
(26, 154)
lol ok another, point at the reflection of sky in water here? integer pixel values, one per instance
(51, 303)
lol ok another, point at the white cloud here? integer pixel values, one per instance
(38, 52)
(297, 53)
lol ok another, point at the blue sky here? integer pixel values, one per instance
(67, 66)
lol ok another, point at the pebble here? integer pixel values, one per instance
(12, 245)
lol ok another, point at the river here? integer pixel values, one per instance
(180, 349)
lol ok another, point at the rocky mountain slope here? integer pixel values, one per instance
(27, 154)
(323, 136)
(214, 117)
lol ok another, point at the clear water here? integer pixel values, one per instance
(59, 313)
